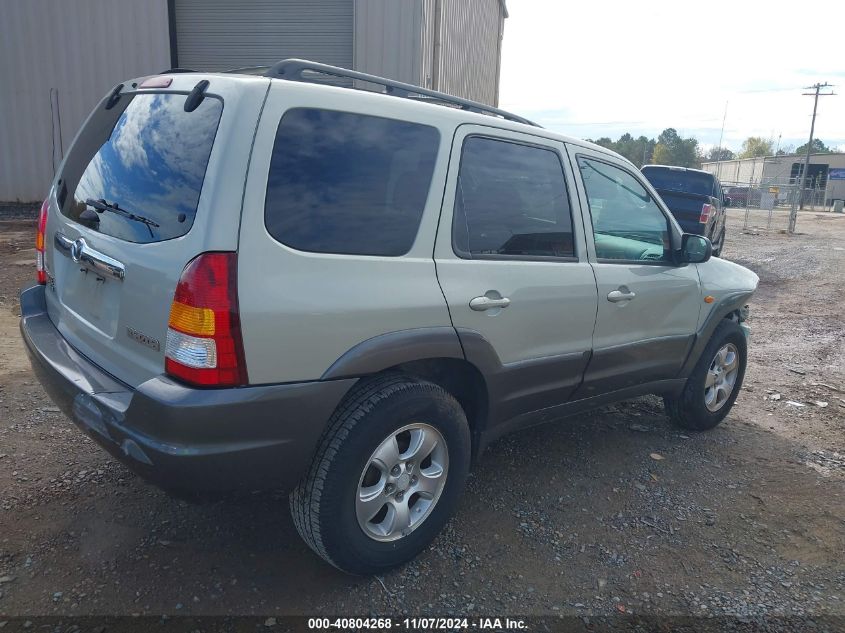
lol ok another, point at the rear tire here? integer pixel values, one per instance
(714, 384)
(356, 463)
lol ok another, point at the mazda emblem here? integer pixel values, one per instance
(76, 249)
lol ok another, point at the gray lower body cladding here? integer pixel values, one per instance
(181, 438)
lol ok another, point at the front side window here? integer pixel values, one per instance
(136, 171)
(627, 223)
(511, 201)
(348, 183)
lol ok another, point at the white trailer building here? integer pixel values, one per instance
(825, 174)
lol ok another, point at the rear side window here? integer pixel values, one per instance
(348, 183)
(136, 172)
(511, 201)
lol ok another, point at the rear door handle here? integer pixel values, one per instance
(616, 296)
(479, 304)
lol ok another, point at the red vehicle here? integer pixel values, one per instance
(740, 196)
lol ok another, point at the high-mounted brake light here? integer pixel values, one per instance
(706, 209)
(156, 81)
(40, 238)
(204, 343)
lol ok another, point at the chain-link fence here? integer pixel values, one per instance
(770, 190)
(773, 204)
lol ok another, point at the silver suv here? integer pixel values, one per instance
(271, 281)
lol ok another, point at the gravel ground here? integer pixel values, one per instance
(608, 513)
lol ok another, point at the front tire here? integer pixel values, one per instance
(386, 476)
(714, 384)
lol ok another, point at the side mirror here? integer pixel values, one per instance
(695, 249)
(727, 202)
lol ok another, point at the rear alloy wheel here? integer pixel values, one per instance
(714, 383)
(402, 482)
(386, 477)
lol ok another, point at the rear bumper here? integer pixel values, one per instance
(181, 438)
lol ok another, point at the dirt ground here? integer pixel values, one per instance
(574, 518)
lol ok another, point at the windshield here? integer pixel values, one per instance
(140, 167)
(679, 180)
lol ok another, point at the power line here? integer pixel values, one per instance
(817, 93)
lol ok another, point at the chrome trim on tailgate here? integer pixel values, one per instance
(81, 253)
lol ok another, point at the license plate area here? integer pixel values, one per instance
(91, 297)
(89, 284)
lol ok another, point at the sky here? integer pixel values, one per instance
(605, 67)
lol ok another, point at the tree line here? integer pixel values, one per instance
(671, 149)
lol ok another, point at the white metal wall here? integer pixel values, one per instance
(223, 34)
(767, 169)
(427, 41)
(387, 40)
(448, 45)
(470, 48)
(70, 53)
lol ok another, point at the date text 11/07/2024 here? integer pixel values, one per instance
(421, 624)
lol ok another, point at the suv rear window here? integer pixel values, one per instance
(679, 180)
(348, 183)
(136, 171)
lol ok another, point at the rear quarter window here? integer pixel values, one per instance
(145, 159)
(348, 183)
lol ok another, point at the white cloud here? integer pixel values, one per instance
(596, 69)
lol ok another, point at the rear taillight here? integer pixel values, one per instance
(204, 343)
(706, 209)
(39, 243)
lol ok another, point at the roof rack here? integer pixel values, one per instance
(295, 69)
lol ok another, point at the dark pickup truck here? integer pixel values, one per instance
(695, 198)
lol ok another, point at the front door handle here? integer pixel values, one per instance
(479, 304)
(623, 294)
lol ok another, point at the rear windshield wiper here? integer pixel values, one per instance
(101, 205)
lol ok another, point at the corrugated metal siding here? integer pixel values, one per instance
(470, 34)
(222, 34)
(427, 44)
(398, 39)
(80, 50)
(387, 41)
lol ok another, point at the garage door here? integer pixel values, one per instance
(225, 34)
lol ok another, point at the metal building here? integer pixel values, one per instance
(58, 58)
(825, 173)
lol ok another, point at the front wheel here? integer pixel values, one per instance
(386, 477)
(714, 384)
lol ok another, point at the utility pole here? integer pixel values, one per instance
(793, 216)
(721, 135)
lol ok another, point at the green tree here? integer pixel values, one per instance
(662, 155)
(605, 141)
(818, 148)
(755, 147)
(671, 149)
(636, 150)
(717, 153)
(643, 150)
